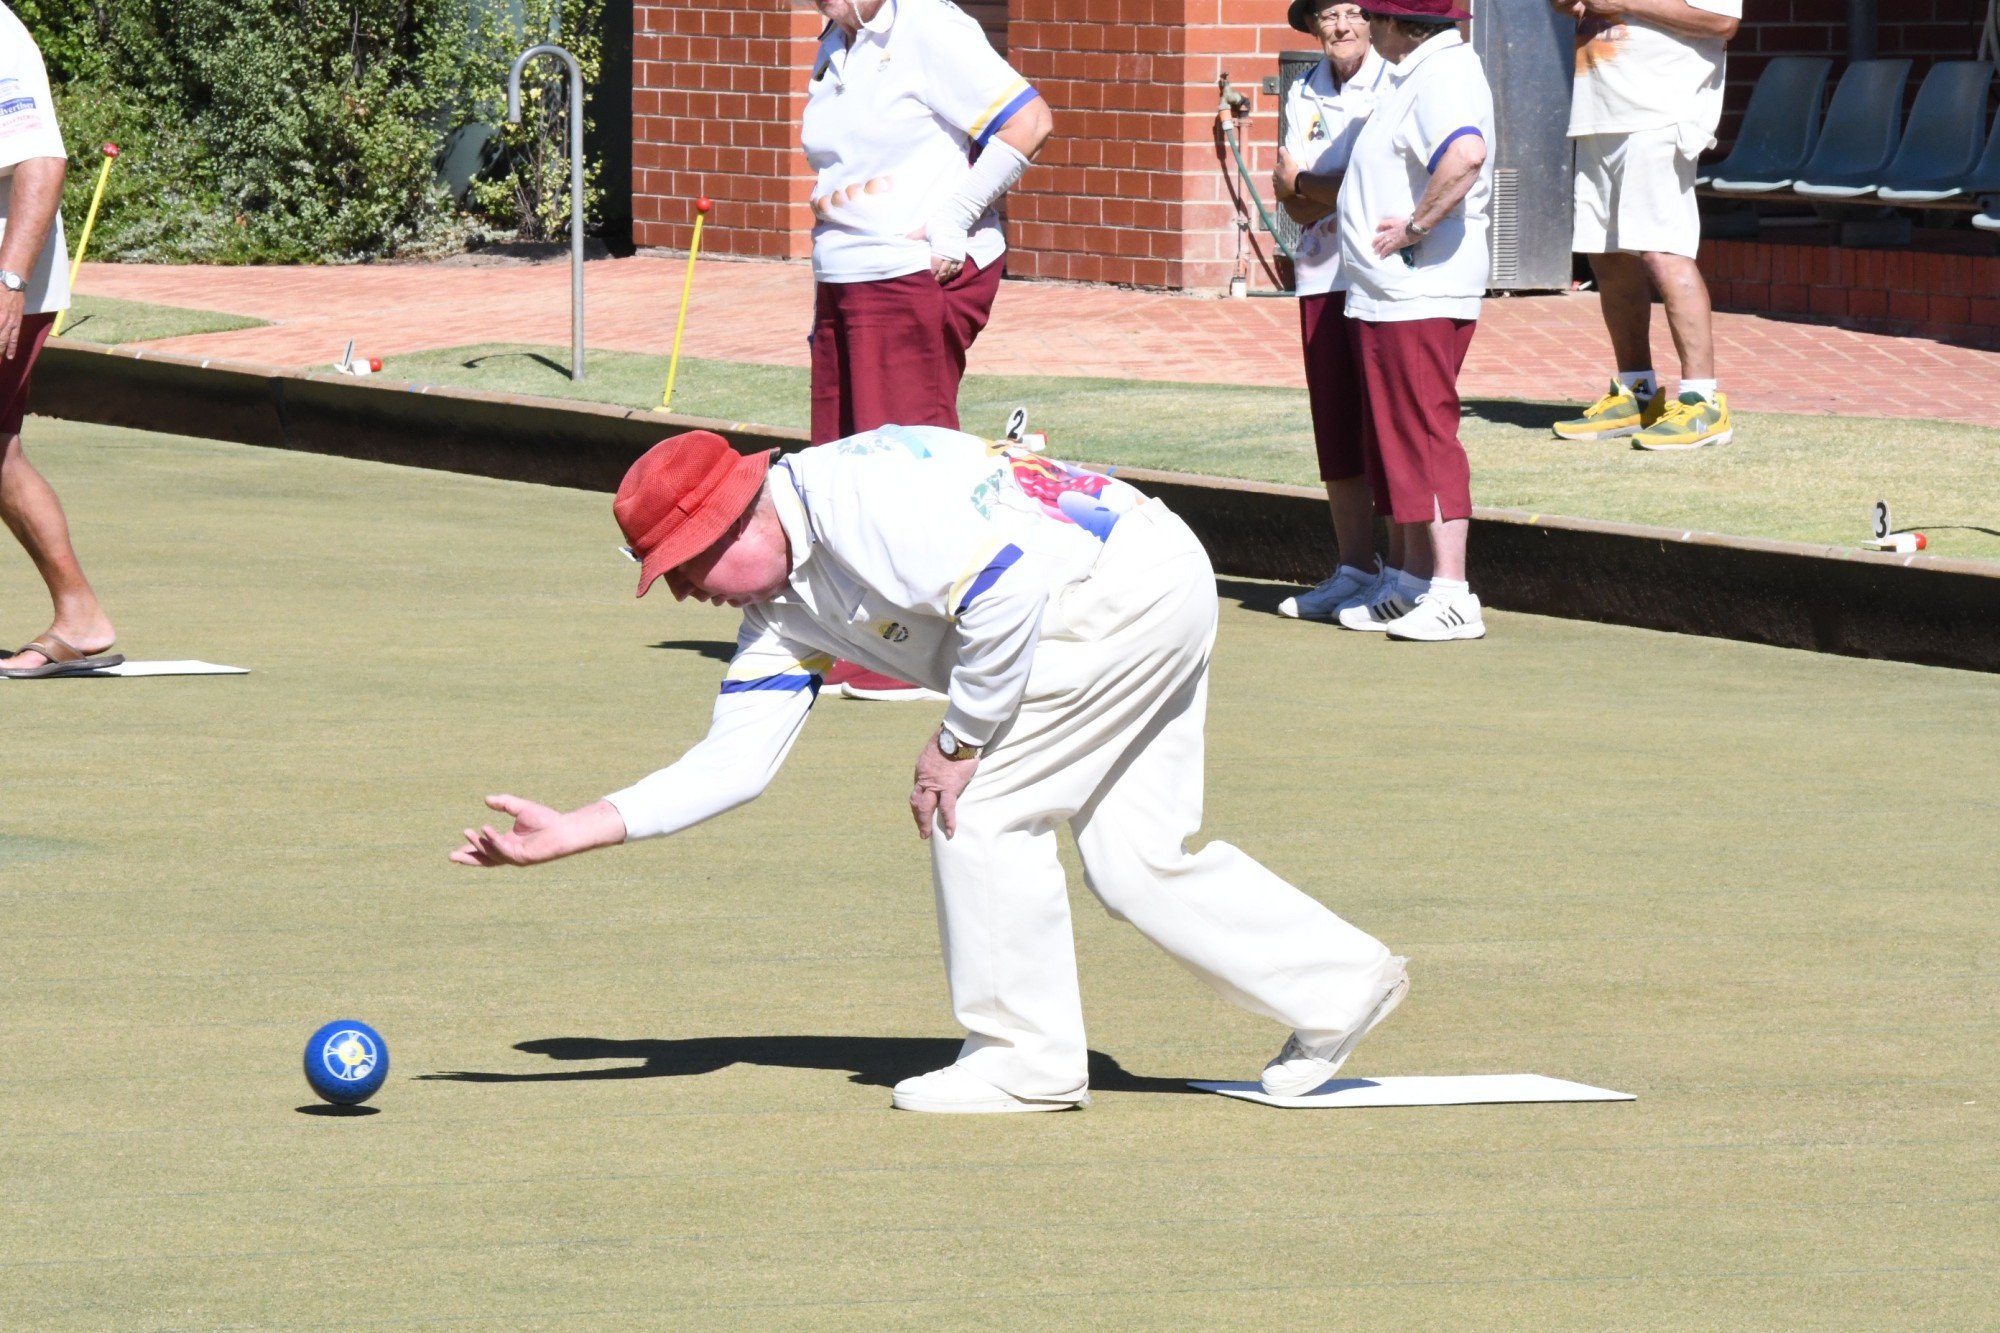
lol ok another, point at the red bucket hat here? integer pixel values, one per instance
(1441, 10)
(681, 496)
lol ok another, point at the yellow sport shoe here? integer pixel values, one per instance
(1614, 416)
(1689, 424)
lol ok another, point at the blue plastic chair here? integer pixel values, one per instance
(1863, 127)
(1941, 155)
(1780, 130)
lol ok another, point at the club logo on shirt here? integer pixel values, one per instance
(1597, 43)
(892, 632)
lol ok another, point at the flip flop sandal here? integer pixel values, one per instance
(63, 660)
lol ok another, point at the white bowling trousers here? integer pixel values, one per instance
(1109, 738)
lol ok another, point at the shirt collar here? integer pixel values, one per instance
(791, 507)
(884, 19)
(1444, 41)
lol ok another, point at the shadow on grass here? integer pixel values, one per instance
(479, 362)
(1945, 527)
(716, 650)
(342, 1112)
(1508, 412)
(1259, 597)
(878, 1062)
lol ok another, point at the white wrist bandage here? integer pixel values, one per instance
(999, 166)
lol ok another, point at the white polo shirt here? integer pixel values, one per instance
(28, 129)
(923, 553)
(890, 125)
(1633, 75)
(1323, 117)
(1440, 96)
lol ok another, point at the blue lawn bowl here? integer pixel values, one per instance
(346, 1062)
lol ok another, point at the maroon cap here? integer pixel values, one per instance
(681, 496)
(1441, 10)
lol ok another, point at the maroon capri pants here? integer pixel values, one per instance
(892, 352)
(15, 373)
(1333, 383)
(1416, 464)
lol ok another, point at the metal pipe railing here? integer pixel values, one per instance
(575, 184)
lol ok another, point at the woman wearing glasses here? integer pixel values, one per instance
(1324, 112)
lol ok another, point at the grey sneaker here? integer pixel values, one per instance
(1309, 1059)
(1324, 601)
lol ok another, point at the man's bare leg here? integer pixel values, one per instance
(1447, 542)
(1625, 294)
(31, 510)
(1689, 314)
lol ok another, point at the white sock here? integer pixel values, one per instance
(1642, 383)
(1706, 388)
(1450, 588)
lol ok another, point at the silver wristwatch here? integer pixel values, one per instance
(12, 281)
(1416, 233)
(951, 747)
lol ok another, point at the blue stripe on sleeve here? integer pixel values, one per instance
(1005, 114)
(1449, 140)
(800, 681)
(989, 576)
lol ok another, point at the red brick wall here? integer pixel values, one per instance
(1955, 297)
(1136, 187)
(1925, 30)
(718, 90)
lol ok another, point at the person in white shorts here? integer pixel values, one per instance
(1069, 620)
(1648, 97)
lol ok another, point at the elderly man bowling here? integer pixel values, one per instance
(1069, 620)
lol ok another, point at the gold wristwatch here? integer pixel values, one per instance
(951, 747)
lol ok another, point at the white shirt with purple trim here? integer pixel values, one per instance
(1440, 96)
(890, 126)
(923, 553)
(1323, 117)
(28, 129)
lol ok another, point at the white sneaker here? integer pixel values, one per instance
(1324, 601)
(956, 1090)
(1387, 602)
(1309, 1059)
(1438, 618)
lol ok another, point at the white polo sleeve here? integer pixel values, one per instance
(1453, 105)
(966, 82)
(27, 110)
(766, 696)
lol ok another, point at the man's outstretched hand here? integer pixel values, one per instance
(540, 833)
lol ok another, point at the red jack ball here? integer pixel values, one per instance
(374, 365)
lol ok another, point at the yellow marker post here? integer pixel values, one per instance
(701, 207)
(90, 221)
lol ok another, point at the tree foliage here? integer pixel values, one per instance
(297, 130)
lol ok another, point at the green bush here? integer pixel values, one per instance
(294, 131)
(527, 191)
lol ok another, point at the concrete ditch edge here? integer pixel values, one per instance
(1825, 599)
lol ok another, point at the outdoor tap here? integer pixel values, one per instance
(1234, 103)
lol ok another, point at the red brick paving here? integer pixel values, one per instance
(1548, 348)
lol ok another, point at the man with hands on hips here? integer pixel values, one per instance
(1068, 620)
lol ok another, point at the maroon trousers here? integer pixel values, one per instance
(1333, 384)
(15, 372)
(892, 352)
(1416, 463)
